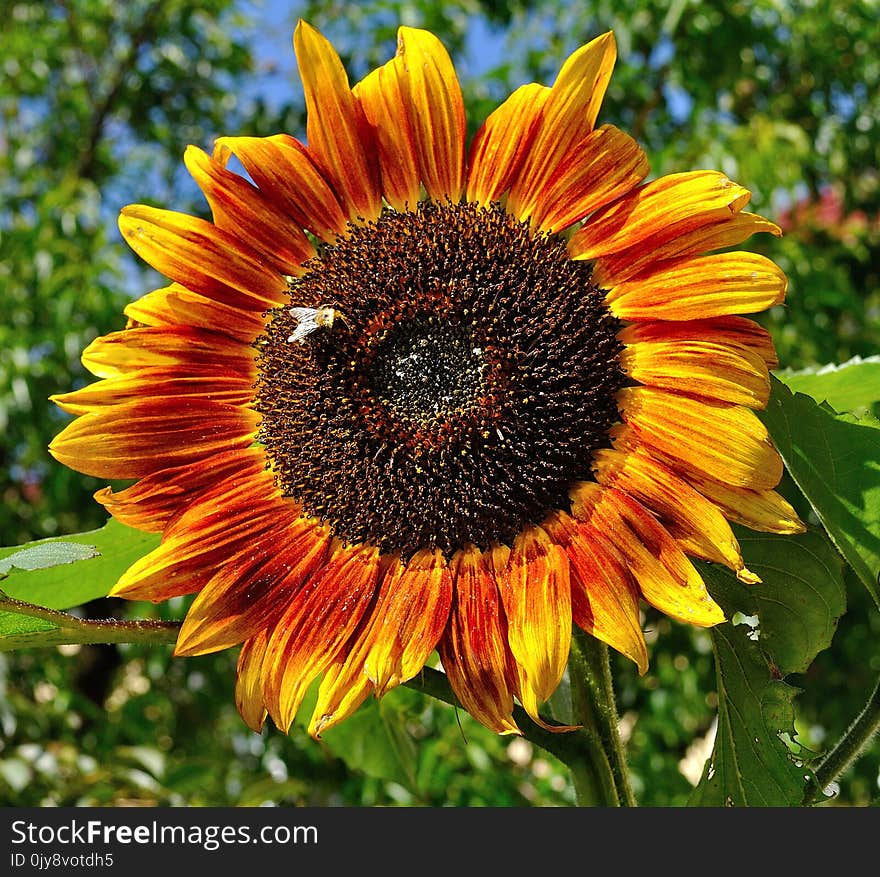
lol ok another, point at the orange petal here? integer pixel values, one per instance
(435, 109)
(763, 510)
(474, 649)
(240, 208)
(604, 601)
(137, 438)
(700, 368)
(248, 694)
(503, 142)
(411, 611)
(203, 383)
(218, 525)
(537, 601)
(569, 115)
(383, 104)
(666, 578)
(132, 350)
(698, 287)
(344, 687)
(242, 598)
(740, 451)
(287, 175)
(178, 307)
(337, 131)
(605, 165)
(658, 212)
(697, 524)
(730, 231)
(315, 626)
(202, 257)
(733, 331)
(154, 500)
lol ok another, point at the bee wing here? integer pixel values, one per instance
(303, 314)
(303, 330)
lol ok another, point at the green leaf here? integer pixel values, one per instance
(850, 386)
(797, 607)
(63, 573)
(835, 461)
(46, 555)
(374, 739)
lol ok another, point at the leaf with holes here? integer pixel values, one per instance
(797, 606)
(850, 386)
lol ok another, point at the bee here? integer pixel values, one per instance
(310, 319)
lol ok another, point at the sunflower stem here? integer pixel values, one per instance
(847, 750)
(69, 630)
(593, 706)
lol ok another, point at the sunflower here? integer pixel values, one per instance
(402, 395)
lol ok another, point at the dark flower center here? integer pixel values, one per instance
(466, 377)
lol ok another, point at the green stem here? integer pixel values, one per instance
(592, 696)
(847, 750)
(69, 630)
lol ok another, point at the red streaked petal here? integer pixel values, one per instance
(319, 621)
(242, 598)
(202, 257)
(411, 611)
(336, 128)
(605, 165)
(666, 578)
(248, 694)
(138, 438)
(730, 231)
(436, 112)
(730, 330)
(287, 175)
(740, 451)
(537, 601)
(242, 209)
(474, 650)
(503, 142)
(659, 212)
(700, 368)
(203, 383)
(130, 351)
(697, 524)
(763, 510)
(154, 500)
(698, 287)
(569, 114)
(604, 601)
(219, 527)
(177, 307)
(382, 100)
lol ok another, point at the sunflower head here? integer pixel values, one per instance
(406, 394)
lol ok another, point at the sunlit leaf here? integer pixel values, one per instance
(103, 555)
(850, 386)
(835, 461)
(784, 622)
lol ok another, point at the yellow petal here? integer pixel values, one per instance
(336, 127)
(435, 109)
(382, 100)
(537, 601)
(248, 696)
(604, 601)
(503, 142)
(605, 165)
(700, 368)
(658, 212)
(569, 114)
(699, 287)
(718, 440)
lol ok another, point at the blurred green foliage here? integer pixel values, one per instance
(97, 102)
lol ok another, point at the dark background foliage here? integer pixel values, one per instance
(98, 100)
